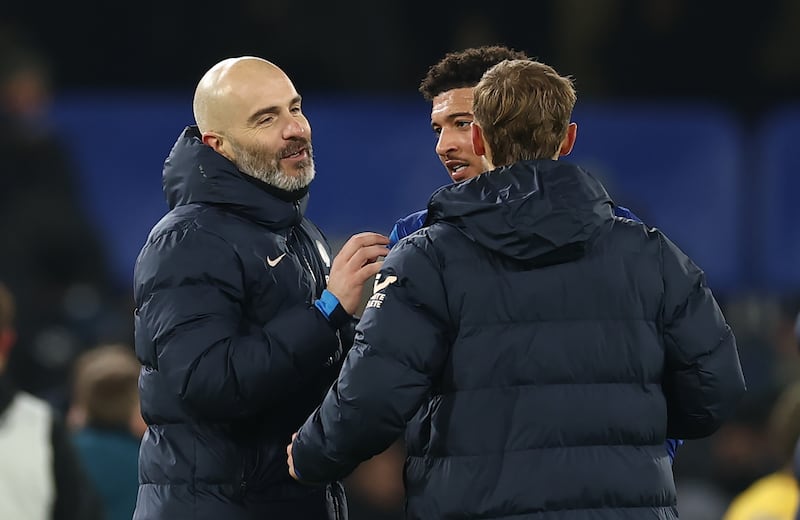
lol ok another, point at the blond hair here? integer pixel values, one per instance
(524, 108)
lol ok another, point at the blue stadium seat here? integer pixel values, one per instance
(679, 168)
(120, 143)
(375, 162)
(777, 206)
(676, 167)
(374, 157)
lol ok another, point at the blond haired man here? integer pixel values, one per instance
(557, 345)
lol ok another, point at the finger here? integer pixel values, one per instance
(369, 237)
(368, 271)
(367, 255)
(360, 240)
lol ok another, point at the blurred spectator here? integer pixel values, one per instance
(740, 451)
(40, 474)
(375, 489)
(775, 496)
(581, 41)
(796, 471)
(784, 335)
(51, 257)
(778, 52)
(105, 410)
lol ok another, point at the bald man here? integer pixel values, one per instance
(242, 312)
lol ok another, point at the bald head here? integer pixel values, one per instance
(248, 111)
(223, 93)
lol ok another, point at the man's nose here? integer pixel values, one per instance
(294, 128)
(445, 143)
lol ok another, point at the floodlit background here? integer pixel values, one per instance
(689, 111)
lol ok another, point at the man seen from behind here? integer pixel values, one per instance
(555, 345)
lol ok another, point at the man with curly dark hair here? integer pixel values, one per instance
(448, 85)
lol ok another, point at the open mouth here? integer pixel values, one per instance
(456, 168)
(297, 154)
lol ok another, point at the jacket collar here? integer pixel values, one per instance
(195, 173)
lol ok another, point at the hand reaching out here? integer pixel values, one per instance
(354, 265)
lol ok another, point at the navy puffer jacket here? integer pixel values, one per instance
(551, 348)
(235, 355)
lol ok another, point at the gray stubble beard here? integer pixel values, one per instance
(265, 166)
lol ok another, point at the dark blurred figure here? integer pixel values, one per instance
(740, 450)
(375, 489)
(778, 53)
(796, 471)
(774, 496)
(105, 413)
(40, 474)
(52, 259)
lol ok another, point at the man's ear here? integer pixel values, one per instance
(478, 144)
(569, 140)
(216, 142)
(212, 140)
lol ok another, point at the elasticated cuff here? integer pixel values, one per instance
(328, 304)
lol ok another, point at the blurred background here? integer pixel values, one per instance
(688, 110)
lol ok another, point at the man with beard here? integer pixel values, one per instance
(241, 317)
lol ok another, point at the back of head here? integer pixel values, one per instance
(524, 108)
(105, 386)
(464, 68)
(24, 77)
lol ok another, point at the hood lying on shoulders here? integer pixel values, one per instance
(194, 172)
(540, 211)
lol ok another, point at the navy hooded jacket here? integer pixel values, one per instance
(550, 347)
(235, 354)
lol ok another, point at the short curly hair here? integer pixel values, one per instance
(464, 69)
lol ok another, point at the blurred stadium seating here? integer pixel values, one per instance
(679, 168)
(690, 170)
(775, 175)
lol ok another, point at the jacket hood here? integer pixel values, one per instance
(194, 172)
(539, 211)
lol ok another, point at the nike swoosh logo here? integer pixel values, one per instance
(379, 286)
(273, 263)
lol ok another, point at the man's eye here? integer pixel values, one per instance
(437, 131)
(266, 120)
(295, 110)
(463, 124)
